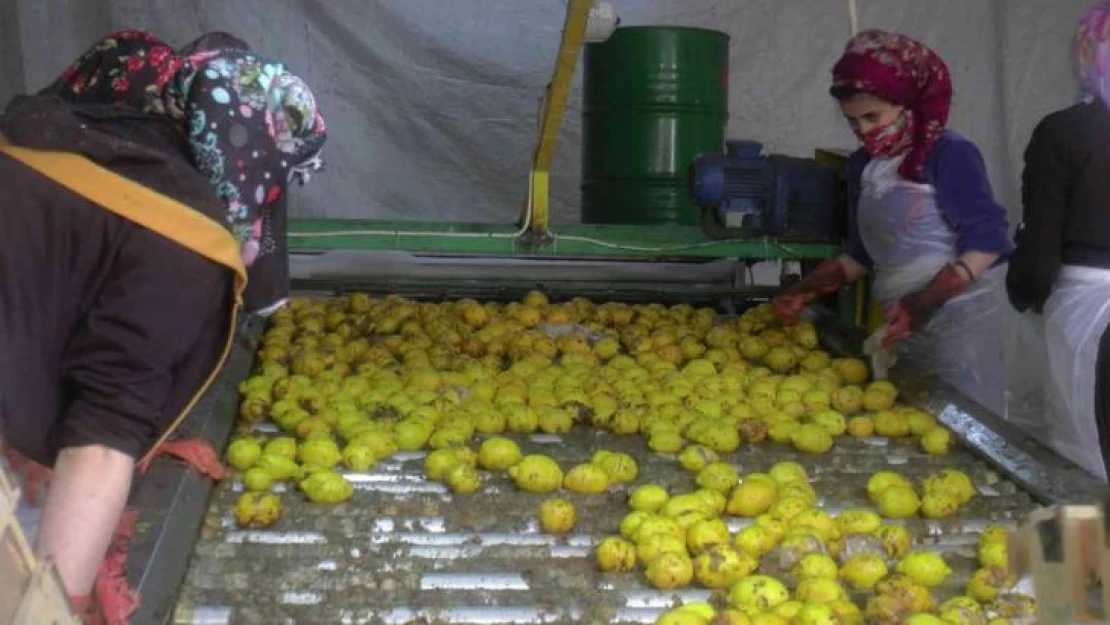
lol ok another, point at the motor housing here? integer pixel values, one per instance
(743, 192)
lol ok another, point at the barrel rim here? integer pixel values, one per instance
(711, 31)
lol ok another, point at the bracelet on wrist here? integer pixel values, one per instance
(967, 270)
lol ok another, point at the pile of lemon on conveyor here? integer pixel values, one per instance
(351, 381)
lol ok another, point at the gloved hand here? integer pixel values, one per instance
(910, 313)
(828, 277)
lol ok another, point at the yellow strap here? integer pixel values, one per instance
(134, 202)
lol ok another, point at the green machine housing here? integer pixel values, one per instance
(654, 98)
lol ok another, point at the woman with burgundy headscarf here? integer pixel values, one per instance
(145, 188)
(923, 218)
(1060, 272)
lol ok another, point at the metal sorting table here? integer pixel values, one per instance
(405, 550)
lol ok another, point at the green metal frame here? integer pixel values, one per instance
(567, 241)
(533, 236)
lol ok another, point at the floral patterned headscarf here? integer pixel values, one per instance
(905, 72)
(251, 125)
(1092, 52)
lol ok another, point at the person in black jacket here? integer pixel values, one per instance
(1061, 267)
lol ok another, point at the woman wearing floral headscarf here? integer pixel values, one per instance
(923, 217)
(148, 187)
(1061, 266)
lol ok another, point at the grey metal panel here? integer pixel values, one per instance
(719, 283)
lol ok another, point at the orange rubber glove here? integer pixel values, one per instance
(827, 278)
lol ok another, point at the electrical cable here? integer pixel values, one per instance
(528, 214)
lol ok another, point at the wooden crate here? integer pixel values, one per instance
(1065, 550)
(31, 593)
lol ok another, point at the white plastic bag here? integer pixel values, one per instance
(1027, 373)
(1076, 316)
(908, 240)
(963, 344)
(882, 358)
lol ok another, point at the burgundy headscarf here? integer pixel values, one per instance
(905, 72)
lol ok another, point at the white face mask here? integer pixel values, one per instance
(302, 172)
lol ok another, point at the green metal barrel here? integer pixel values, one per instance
(655, 97)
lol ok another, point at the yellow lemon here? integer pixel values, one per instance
(648, 498)
(497, 454)
(557, 516)
(615, 554)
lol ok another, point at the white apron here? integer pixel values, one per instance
(1075, 318)
(909, 242)
(1027, 373)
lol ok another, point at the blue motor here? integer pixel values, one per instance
(742, 192)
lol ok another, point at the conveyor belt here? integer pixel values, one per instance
(406, 550)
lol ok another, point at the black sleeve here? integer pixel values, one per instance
(1040, 238)
(118, 367)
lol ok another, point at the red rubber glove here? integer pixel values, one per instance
(828, 277)
(113, 599)
(195, 452)
(913, 311)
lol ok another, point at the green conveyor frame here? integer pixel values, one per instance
(568, 241)
(533, 236)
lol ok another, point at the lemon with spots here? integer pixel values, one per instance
(536, 474)
(648, 498)
(497, 454)
(898, 502)
(557, 516)
(586, 478)
(721, 566)
(924, 567)
(670, 570)
(752, 498)
(615, 554)
(718, 476)
(757, 593)
(862, 571)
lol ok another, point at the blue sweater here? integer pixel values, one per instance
(955, 168)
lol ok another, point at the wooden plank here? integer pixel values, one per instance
(1063, 548)
(31, 593)
(45, 603)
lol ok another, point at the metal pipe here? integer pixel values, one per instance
(555, 102)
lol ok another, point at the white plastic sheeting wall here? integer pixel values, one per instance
(432, 104)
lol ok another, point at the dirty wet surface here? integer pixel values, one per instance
(405, 550)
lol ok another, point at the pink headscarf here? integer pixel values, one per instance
(1092, 55)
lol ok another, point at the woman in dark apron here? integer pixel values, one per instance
(144, 187)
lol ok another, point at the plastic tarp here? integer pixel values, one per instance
(433, 104)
